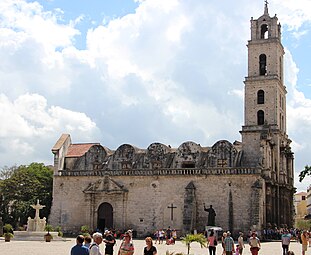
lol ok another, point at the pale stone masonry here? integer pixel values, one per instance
(249, 183)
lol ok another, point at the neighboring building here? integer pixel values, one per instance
(249, 183)
(308, 216)
(300, 203)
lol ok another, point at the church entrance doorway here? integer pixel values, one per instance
(104, 217)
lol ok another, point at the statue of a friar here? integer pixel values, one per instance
(211, 215)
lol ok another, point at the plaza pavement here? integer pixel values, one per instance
(63, 247)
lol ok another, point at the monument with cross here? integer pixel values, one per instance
(35, 227)
(36, 224)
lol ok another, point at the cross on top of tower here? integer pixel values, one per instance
(266, 7)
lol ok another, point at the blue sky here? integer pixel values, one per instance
(139, 72)
(94, 13)
(301, 49)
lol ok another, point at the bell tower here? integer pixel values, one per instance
(264, 140)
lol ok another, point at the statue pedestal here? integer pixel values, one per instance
(34, 236)
(217, 230)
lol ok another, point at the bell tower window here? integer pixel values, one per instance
(264, 31)
(260, 117)
(260, 97)
(262, 64)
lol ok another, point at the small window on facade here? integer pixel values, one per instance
(260, 117)
(303, 198)
(264, 32)
(188, 165)
(283, 124)
(260, 97)
(262, 64)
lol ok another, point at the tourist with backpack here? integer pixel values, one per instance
(94, 247)
(109, 242)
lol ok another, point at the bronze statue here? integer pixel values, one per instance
(211, 215)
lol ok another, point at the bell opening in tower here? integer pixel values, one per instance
(264, 31)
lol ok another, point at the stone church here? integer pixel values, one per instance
(248, 183)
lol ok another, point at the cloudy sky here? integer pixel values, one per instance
(139, 71)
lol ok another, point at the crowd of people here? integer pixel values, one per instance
(85, 245)
(170, 236)
(230, 248)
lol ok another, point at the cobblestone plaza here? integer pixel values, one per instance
(63, 247)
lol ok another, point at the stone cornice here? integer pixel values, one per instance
(164, 172)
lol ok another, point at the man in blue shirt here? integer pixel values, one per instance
(229, 244)
(285, 241)
(79, 249)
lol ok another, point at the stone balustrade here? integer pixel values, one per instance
(163, 171)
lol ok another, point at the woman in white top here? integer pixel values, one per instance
(241, 243)
(254, 244)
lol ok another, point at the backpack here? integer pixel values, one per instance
(92, 245)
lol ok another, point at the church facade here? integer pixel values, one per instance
(249, 183)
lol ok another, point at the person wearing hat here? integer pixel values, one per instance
(229, 244)
(126, 247)
(109, 242)
(241, 243)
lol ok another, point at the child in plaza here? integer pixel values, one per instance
(237, 250)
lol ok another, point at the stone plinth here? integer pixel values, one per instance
(34, 236)
(36, 224)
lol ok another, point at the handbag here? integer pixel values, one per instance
(215, 241)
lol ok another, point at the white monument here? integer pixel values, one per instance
(36, 224)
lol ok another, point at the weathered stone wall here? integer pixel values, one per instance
(145, 206)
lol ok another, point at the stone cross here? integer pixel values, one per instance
(37, 207)
(172, 207)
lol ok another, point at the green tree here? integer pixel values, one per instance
(304, 173)
(22, 188)
(190, 238)
(303, 224)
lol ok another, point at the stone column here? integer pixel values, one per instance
(189, 212)
(1, 226)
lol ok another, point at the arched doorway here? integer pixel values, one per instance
(105, 216)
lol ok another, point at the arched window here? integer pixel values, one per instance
(260, 97)
(262, 64)
(264, 31)
(260, 117)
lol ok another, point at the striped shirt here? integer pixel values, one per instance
(229, 243)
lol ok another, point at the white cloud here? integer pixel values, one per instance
(27, 123)
(298, 119)
(292, 13)
(170, 72)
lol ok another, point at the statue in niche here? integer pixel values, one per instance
(211, 215)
